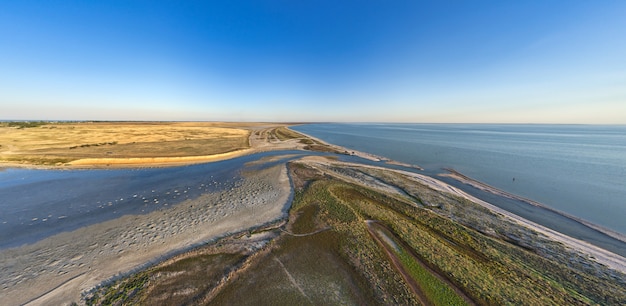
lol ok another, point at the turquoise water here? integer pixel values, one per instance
(577, 169)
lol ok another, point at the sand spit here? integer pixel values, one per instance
(352, 152)
(610, 259)
(56, 270)
(482, 186)
(156, 161)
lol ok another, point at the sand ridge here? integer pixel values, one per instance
(157, 161)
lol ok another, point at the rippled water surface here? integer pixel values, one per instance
(35, 204)
(578, 169)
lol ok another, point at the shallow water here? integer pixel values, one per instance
(36, 204)
(577, 169)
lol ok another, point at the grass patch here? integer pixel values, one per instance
(72, 141)
(180, 282)
(309, 270)
(487, 268)
(37, 160)
(431, 288)
(283, 133)
(306, 217)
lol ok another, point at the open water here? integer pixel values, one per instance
(577, 169)
(36, 204)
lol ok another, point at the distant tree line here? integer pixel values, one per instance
(26, 124)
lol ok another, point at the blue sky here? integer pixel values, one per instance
(366, 61)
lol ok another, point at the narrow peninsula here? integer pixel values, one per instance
(311, 223)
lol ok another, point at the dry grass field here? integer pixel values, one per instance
(62, 143)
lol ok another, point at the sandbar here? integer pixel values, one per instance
(56, 270)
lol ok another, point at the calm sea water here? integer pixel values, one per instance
(35, 204)
(577, 169)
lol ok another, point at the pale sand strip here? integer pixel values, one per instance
(139, 161)
(480, 185)
(610, 259)
(56, 270)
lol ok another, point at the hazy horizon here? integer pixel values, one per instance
(552, 62)
(313, 122)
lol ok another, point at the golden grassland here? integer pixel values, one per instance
(143, 144)
(349, 243)
(63, 143)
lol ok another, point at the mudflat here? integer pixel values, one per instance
(56, 270)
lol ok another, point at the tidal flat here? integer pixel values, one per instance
(332, 227)
(365, 235)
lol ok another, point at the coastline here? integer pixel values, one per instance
(619, 237)
(133, 162)
(493, 190)
(260, 140)
(604, 256)
(608, 258)
(136, 162)
(82, 276)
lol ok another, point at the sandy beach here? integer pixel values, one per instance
(136, 162)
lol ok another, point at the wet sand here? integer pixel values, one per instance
(482, 186)
(56, 270)
(538, 213)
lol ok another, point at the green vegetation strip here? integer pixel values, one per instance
(435, 290)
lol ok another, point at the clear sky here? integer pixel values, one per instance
(527, 61)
